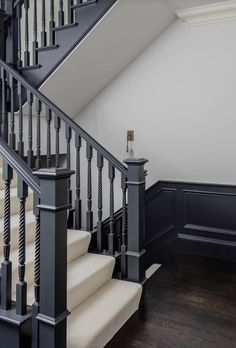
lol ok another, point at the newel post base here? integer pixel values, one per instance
(52, 316)
(136, 220)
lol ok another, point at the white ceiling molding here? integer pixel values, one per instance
(213, 13)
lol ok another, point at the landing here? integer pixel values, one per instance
(190, 302)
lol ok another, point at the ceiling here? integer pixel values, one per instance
(182, 4)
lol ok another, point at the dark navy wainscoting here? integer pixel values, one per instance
(194, 218)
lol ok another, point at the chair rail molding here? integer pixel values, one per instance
(207, 14)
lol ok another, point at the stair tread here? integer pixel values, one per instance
(78, 243)
(85, 276)
(106, 311)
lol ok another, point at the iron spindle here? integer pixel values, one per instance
(52, 23)
(70, 11)
(30, 153)
(43, 32)
(19, 48)
(111, 240)
(26, 54)
(6, 268)
(12, 118)
(4, 118)
(21, 287)
(78, 206)
(57, 125)
(38, 140)
(48, 120)
(35, 34)
(100, 242)
(124, 227)
(89, 214)
(20, 142)
(61, 14)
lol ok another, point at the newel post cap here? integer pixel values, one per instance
(135, 161)
(53, 173)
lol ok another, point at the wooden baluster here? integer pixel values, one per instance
(68, 160)
(38, 140)
(100, 241)
(43, 32)
(30, 153)
(4, 118)
(52, 23)
(111, 175)
(20, 142)
(78, 205)
(61, 14)
(12, 118)
(35, 306)
(48, 120)
(26, 54)
(89, 214)
(70, 11)
(124, 227)
(21, 287)
(35, 34)
(57, 125)
(19, 41)
(6, 268)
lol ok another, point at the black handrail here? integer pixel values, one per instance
(21, 168)
(72, 124)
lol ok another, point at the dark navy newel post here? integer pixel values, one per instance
(53, 207)
(136, 220)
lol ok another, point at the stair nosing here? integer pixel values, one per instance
(47, 48)
(85, 4)
(67, 26)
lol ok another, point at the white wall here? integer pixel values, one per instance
(180, 98)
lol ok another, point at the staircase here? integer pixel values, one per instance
(70, 277)
(90, 286)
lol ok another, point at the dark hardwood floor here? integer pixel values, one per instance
(190, 302)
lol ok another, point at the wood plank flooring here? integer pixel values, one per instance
(190, 302)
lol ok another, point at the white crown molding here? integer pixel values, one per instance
(213, 13)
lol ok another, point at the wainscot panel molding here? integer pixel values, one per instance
(194, 218)
(213, 13)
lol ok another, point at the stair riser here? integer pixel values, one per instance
(15, 205)
(83, 290)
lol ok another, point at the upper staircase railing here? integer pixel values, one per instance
(36, 137)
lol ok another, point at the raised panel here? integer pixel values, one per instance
(160, 214)
(210, 213)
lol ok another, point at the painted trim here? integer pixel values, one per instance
(207, 14)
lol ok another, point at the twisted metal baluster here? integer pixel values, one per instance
(35, 306)
(48, 120)
(52, 23)
(89, 214)
(6, 267)
(61, 14)
(19, 48)
(78, 206)
(111, 241)
(43, 32)
(38, 141)
(70, 11)
(35, 34)
(100, 241)
(12, 119)
(26, 53)
(57, 125)
(30, 153)
(20, 142)
(68, 158)
(21, 287)
(4, 118)
(124, 227)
